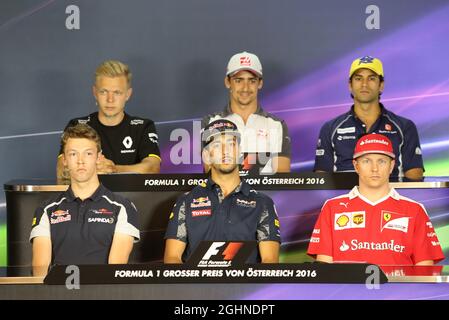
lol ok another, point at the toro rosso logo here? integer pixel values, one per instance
(102, 211)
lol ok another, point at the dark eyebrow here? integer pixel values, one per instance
(240, 78)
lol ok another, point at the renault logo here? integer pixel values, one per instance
(128, 142)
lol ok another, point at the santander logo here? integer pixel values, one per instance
(344, 247)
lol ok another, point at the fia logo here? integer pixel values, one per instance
(128, 142)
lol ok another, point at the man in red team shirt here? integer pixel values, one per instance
(373, 223)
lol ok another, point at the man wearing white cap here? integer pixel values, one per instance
(265, 145)
(339, 135)
(373, 223)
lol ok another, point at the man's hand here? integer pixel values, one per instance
(105, 166)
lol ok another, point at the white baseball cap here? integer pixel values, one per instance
(244, 61)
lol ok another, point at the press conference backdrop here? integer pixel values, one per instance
(178, 50)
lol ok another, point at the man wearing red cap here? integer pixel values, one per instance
(338, 136)
(265, 146)
(373, 223)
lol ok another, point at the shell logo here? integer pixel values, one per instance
(342, 221)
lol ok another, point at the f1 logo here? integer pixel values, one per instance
(228, 254)
(213, 250)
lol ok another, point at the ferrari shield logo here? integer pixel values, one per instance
(387, 216)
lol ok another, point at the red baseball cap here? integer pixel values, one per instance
(373, 143)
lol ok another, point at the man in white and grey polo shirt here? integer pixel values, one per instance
(265, 144)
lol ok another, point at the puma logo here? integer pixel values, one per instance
(345, 204)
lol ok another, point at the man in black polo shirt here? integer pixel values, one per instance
(338, 136)
(225, 208)
(87, 224)
(130, 144)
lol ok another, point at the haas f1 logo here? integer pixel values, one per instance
(222, 254)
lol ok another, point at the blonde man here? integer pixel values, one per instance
(130, 144)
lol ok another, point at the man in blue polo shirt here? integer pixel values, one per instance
(225, 208)
(338, 136)
(87, 224)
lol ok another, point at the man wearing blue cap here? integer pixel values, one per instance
(225, 208)
(338, 136)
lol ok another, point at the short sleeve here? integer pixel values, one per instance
(149, 146)
(411, 151)
(268, 228)
(426, 245)
(40, 225)
(321, 241)
(177, 228)
(128, 220)
(286, 142)
(324, 158)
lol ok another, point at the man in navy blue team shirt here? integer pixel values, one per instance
(225, 208)
(338, 136)
(87, 224)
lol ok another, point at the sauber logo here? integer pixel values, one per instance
(221, 260)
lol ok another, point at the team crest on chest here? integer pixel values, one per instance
(394, 221)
